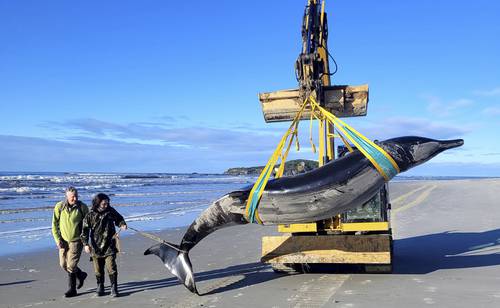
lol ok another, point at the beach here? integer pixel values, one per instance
(446, 254)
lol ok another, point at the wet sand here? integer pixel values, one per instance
(446, 254)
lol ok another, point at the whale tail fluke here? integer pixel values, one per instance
(177, 262)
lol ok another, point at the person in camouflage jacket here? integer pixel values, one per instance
(99, 228)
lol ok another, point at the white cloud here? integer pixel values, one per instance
(491, 92)
(439, 107)
(236, 139)
(408, 126)
(491, 111)
(99, 154)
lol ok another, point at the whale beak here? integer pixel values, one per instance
(450, 144)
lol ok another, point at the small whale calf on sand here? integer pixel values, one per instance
(322, 193)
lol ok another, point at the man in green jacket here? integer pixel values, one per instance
(66, 229)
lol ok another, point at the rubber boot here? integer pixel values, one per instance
(80, 277)
(100, 285)
(114, 285)
(72, 285)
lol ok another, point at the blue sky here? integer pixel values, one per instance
(171, 86)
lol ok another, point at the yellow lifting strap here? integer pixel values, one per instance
(260, 184)
(382, 161)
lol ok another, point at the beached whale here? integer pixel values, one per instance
(322, 193)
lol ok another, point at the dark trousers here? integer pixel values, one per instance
(100, 262)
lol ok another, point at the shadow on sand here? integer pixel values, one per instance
(447, 250)
(15, 282)
(252, 273)
(414, 255)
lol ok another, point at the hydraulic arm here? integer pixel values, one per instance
(312, 67)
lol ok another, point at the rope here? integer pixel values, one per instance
(157, 239)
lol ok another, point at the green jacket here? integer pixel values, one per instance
(67, 222)
(100, 227)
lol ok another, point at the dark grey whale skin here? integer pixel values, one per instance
(319, 194)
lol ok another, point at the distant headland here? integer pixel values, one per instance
(292, 167)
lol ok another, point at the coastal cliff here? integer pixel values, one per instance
(292, 167)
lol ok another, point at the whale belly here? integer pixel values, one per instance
(320, 202)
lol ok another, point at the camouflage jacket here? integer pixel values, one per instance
(100, 228)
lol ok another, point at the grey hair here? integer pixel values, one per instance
(71, 189)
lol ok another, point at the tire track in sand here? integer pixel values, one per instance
(399, 200)
(317, 292)
(427, 189)
(424, 191)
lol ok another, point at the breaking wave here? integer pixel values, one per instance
(148, 201)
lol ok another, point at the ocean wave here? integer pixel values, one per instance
(14, 232)
(134, 204)
(140, 176)
(27, 200)
(26, 177)
(19, 190)
(28, 190)
(23, 190)
(156, 215)
(26, 210)
(167, 193)
(163, 214)
(161, 203)
(26, 184)
(18, 220)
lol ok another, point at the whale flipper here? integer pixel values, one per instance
(177, 262)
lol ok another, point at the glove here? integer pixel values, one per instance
(61, 244)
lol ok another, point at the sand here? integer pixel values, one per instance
(446, 255)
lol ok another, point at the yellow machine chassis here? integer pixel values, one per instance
(342, 227)
(373, 249)
(328, 241)
(367, 243)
